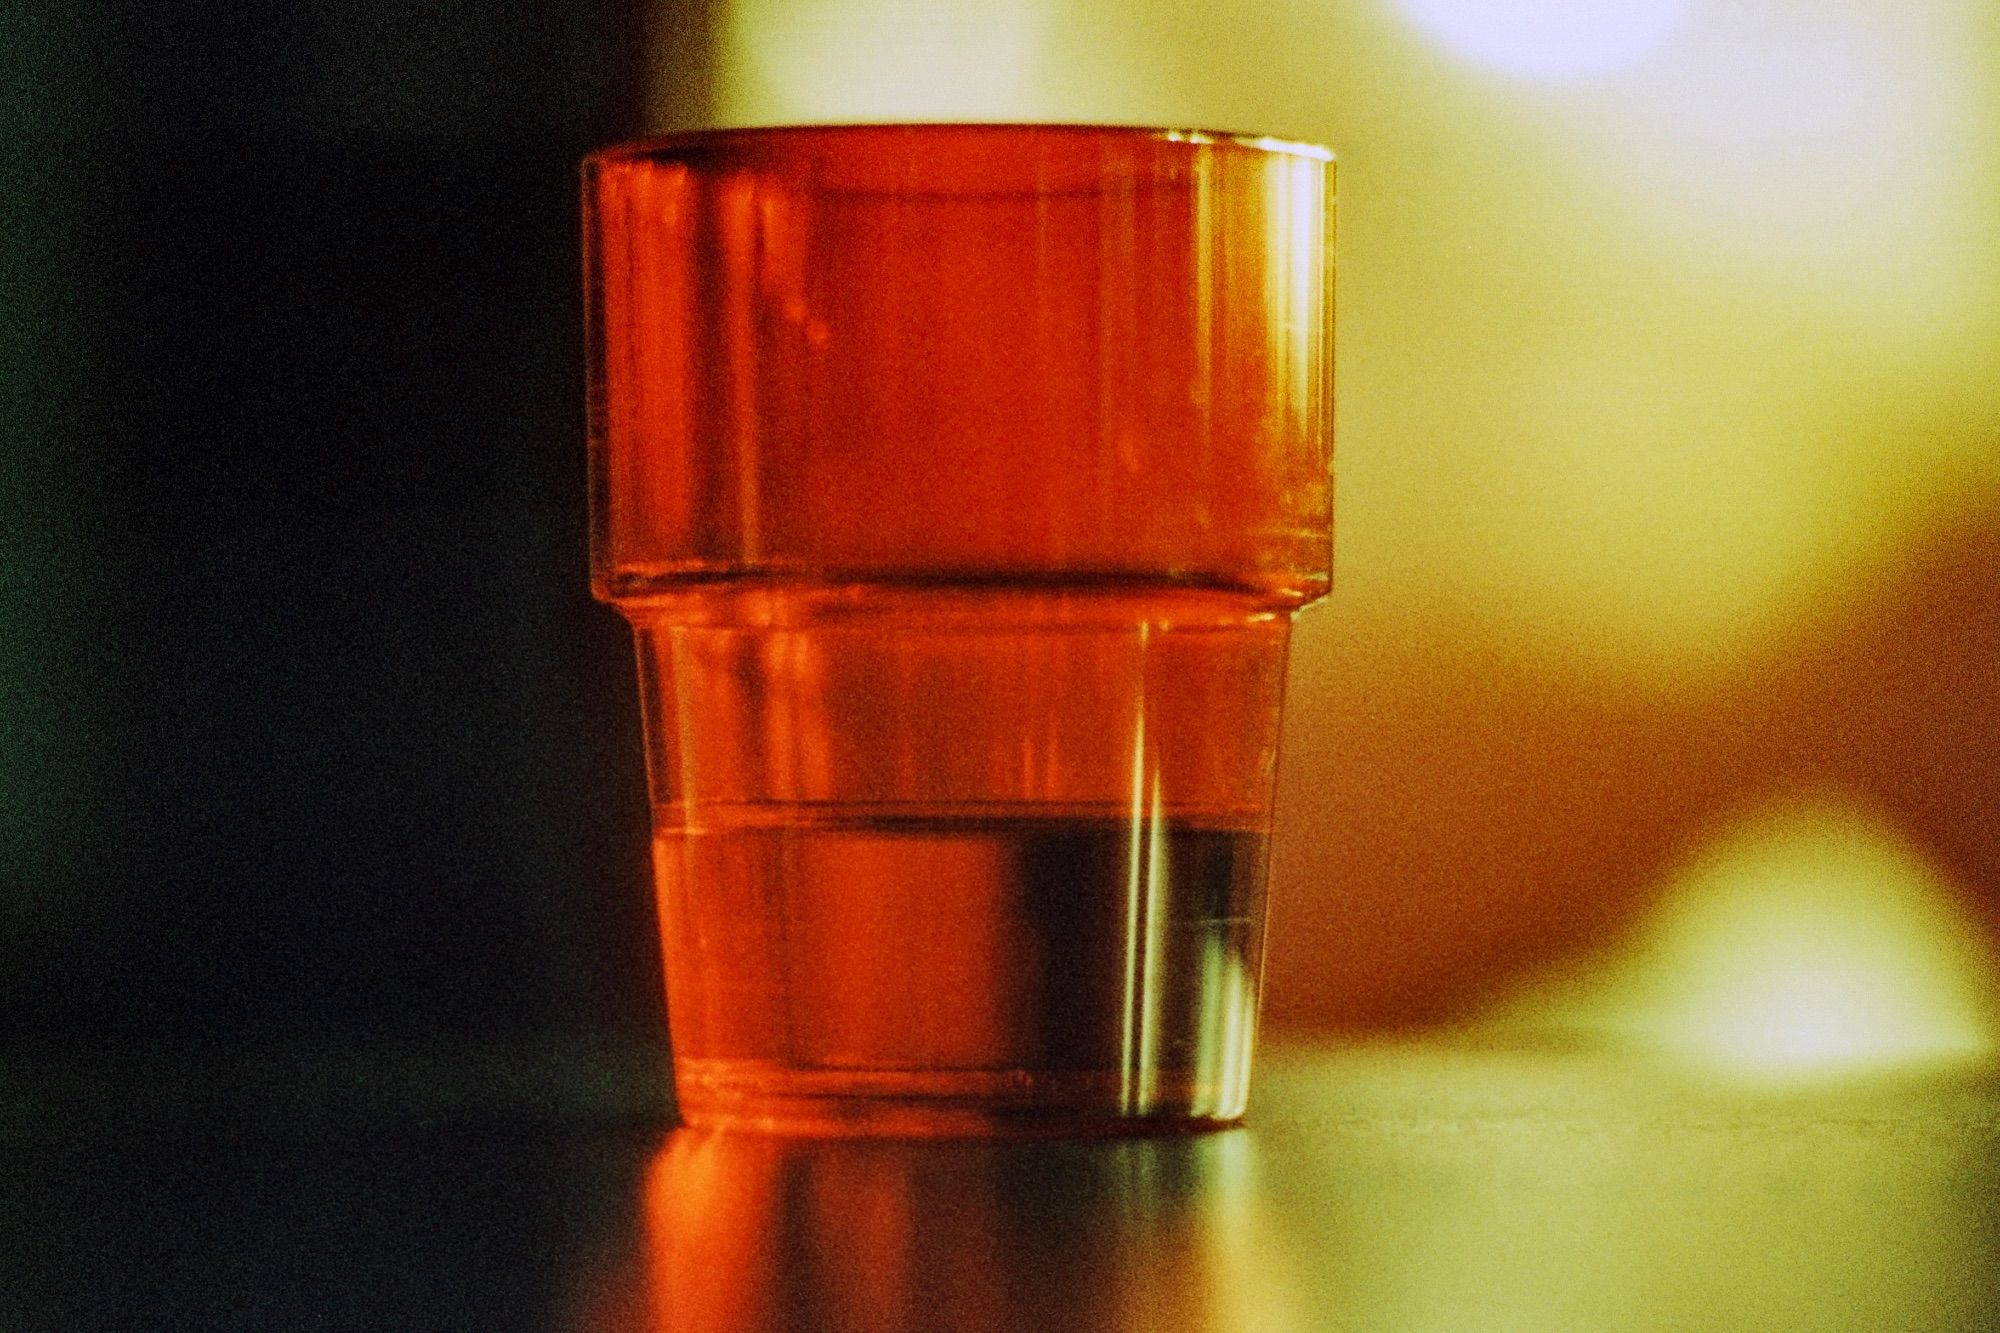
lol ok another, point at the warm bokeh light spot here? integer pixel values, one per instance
(1839, 155)
(1807, 940)
(1548, 39)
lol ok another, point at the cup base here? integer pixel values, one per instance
(722, 1095)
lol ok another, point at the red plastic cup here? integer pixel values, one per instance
(960, 484)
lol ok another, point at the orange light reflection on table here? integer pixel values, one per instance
(746, 1233)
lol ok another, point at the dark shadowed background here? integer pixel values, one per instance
(311, 740)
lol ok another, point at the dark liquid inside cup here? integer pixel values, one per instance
(947, 972)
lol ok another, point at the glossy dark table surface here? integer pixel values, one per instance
(1421, 1187)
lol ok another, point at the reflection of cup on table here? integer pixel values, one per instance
(960, 483)
(766, 1233)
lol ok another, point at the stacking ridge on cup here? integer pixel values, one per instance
(960, 483)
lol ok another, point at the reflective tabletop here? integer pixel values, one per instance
(1409, 1187)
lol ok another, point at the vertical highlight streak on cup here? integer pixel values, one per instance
(1134, 910)
(1298, 221)
(1145, 882)
(960, 483)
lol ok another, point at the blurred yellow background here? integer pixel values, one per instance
(1665, 652)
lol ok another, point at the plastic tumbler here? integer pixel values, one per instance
(960, 483)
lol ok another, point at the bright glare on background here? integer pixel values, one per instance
(1708, 342)
(1808, 940)
(1548, 39)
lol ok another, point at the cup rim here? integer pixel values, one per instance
(674, 141)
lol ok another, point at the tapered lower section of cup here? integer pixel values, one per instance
(995, 866)
(962, 974)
